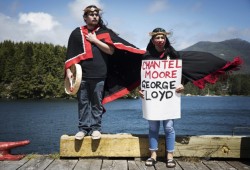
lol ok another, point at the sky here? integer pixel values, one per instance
(190, 21)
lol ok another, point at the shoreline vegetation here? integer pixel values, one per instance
(36, 71)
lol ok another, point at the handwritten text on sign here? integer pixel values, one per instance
(159, 79)
(159, 75)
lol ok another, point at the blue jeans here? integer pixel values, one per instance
(90, 108)
(154, 127)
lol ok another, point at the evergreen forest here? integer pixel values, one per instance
(36, 71)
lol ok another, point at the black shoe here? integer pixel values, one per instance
(150, 162)
(171, 163)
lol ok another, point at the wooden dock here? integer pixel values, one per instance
(131, 145)
(43, 162)
(129, 152)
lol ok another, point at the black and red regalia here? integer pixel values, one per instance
(123, 66)
(201, 68)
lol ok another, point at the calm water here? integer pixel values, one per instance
(44, 121)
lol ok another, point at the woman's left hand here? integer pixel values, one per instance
(179, 89)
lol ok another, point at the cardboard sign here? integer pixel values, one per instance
(159, 79)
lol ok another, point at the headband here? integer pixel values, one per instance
(91, 9)
(157, 33)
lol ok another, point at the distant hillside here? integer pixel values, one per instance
(227, 50)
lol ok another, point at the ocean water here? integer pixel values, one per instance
(43, 122)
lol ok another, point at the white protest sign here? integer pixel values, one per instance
(159, 79)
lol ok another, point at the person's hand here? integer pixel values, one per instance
(179, 89)
(141, 94)
(70, 76)
(91, 37)
(69, 73)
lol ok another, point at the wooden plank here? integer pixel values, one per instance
(114, 164)
(213, 146)
(83, 164)
(213, 165)
(132, 165)
(107, 164)
(178, 167)
(161, 165)
(112, 145)
(141, 165)
(4, 165)
(120, 164)
(96, 164)
(62, 164)
(88, 164)
(225, 165)
(240, 164)
(200, 166)
(38, 163)
(187, 165)
(127, 145)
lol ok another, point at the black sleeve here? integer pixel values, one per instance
(75, 44)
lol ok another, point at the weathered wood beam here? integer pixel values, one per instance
(111, 145)
(128, 145)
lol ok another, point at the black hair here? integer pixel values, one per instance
(100, 23)
(169, 50)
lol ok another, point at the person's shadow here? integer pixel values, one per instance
(94, 144)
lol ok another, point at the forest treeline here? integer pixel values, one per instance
(36, 70)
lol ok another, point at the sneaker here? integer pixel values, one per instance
(80, 135)
(96, 134)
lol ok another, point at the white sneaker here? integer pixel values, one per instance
(96, 134)
(80, 135)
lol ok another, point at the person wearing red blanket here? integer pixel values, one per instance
(109, 69)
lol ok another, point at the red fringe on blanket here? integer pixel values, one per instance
(213, 77)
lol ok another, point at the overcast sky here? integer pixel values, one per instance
(190, 21)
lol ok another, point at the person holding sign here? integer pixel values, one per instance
(161, 72)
